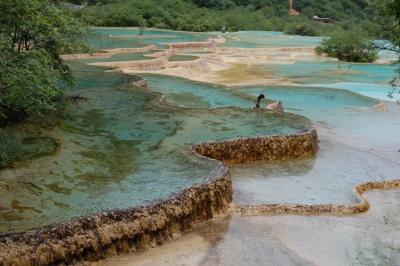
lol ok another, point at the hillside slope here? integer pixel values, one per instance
(211, 15)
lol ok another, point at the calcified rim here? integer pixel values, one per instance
(319, 209)
(98, 235)
(101, 234)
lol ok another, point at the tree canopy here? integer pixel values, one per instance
(210, 15)
(33, 34)
(349, 47)
(388, 17)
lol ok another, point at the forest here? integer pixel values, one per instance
(212, 15)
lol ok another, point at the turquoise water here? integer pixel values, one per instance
(326, 72)
(98, 41)
(315, 102)
(376, 91)
(351, 115)
(185, 93)
(122, 148)
(357, 141)
(256, 39)
(103, 38)
(127, 146)
(122, 57)
(370, 80)
(129, 37)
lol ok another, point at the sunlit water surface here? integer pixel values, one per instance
(122, 148)
(127, 146)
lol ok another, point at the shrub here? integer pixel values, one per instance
(349, 47)
(28, 84)
(303, 30)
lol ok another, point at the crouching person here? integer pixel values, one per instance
(276, 106)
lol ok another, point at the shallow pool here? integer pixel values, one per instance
(121, 148)
(127, 146)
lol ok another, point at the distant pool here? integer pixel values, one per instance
(255, 39)
(103, 38)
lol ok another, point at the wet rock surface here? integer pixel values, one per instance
(320, 209)
(263, 148)
(110, 232)
(95, 236)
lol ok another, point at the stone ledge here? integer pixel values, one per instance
(261, 148)
(96, 236)
(319, 209)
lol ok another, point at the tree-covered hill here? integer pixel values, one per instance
(211, 15)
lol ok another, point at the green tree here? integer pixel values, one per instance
(302, 29)
(33, 34)
(388, 17)
(349, 47)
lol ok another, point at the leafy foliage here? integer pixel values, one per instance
(388, 18)
(302, 29)
(349, 47)
(28, 84)
(210, 15)
(33, 34)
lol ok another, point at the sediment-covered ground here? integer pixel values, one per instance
(130, 145)
(371, 238)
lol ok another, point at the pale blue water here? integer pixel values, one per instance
(185, 93)
(350, 114)
(315, 102)
(121, 57)
(127, 146)
(346, 117)
(323, 71)
(376, 91)
(129, 37)
(370, 80)
(255, 39)
(122, 148)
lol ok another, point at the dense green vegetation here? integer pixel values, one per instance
(33, 34)
(349, 47)
(211, 15)
(388, 19)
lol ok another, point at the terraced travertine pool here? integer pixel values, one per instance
(107, 38)
(355, 142)
(129, 146)
(123, 148)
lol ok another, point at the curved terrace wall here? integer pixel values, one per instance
(95, 236)
(320, 209)
(160, 63)
(152, 64)
(98, 235)
(108, 53)
(260, 148)
(210, 43)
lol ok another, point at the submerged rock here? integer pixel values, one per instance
(142, 83)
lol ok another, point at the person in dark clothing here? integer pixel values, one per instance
(258, 102)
